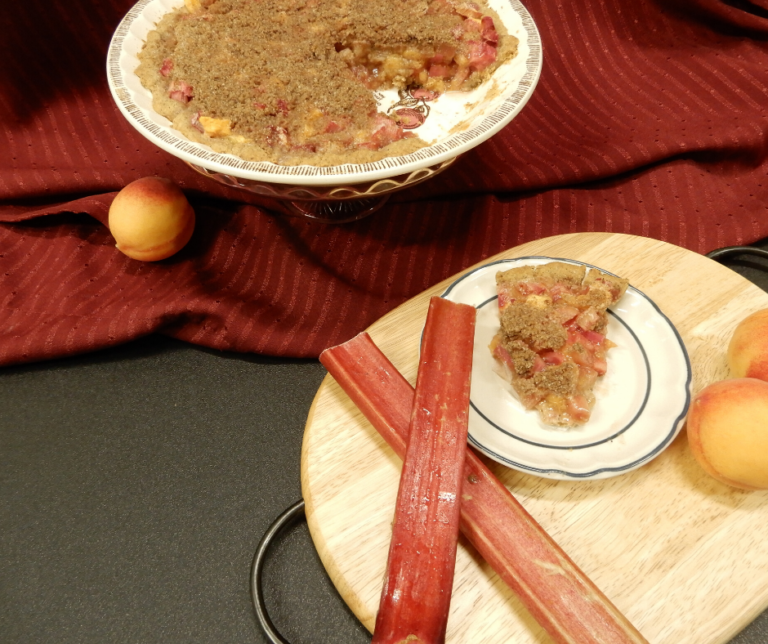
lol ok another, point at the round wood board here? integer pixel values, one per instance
(684, 557)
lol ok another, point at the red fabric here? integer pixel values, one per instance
(650, 118)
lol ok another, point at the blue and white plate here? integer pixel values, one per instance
(641, 401)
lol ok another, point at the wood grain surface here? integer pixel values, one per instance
(684, 557)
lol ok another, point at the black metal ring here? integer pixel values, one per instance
(729, 251)
(257, 570)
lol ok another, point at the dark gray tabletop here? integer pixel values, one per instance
(136, 483)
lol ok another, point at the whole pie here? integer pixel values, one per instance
(295, 81)
(551, 345)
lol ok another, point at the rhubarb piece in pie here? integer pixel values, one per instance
(551, 345)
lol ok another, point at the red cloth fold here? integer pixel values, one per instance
(650, 118)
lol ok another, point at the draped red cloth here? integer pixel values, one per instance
(650, 118)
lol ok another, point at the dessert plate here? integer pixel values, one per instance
(641, 401)
(457, 122)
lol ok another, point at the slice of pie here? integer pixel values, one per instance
(551, 345)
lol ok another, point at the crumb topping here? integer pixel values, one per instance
(522, 357)
(548, 274)
(532, 326)
(297, 75)
(561, 379)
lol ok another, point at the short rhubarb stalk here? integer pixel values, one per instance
(416, 596)
(555, 591)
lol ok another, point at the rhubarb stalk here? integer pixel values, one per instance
(417, 588)
(564, 601)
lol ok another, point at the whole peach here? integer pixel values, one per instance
(728, 432)
(151, 219)
(748, 349)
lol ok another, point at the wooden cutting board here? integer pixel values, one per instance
(683, 557)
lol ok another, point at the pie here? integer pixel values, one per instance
(295, 81)
(551, 345)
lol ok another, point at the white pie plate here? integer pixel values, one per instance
(457, 121)
(641, 401)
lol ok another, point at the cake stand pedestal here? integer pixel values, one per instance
(331, 204)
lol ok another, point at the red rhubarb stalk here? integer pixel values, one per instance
(417, 588)
(555, 591)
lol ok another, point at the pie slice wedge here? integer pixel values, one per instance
(551, 345)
